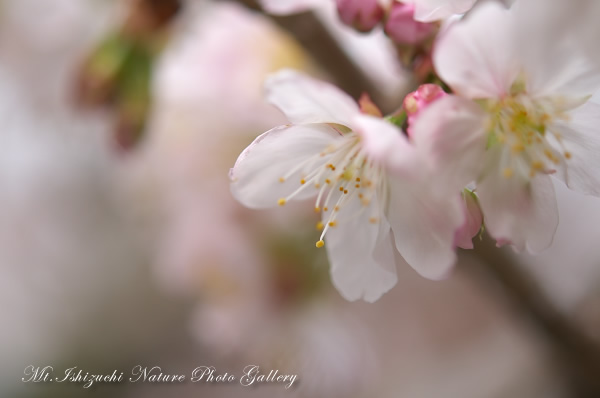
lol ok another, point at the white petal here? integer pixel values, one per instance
(450, 136)
(361, 253)
(434, 10)
(581, 137)
(553, 46)
(306, 100)
(255, 177)
(385, 143)
(286, 7)
(519, 212)
(476, 56)
(424, 225)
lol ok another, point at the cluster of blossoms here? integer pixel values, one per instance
(515, 108)
(405, 22)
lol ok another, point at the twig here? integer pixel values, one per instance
(575, 352)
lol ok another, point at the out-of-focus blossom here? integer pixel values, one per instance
(402, 27)
(363, 15)
(367, 182)
(67, 245)
(521, 114)
(193, 139)
(36, 33)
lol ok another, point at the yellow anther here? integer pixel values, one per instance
(360, 195)
(518, 148)
(303, 181)
(347, 175)
(341, 189)
(317, 185)
(328, 181)
(507, 172)
(317, 209)
(345, 191)
(281, 179)
(357, 179)
(281, 202)
(357, 185)
(537, 165)
(320, 244)
(568, 155)
(336, 208)
(365, 202)
(332, 223)
(373, 220)
(325, 208)
(320, 226)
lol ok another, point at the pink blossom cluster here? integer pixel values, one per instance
(511, 106)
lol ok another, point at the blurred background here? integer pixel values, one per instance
(120, 243)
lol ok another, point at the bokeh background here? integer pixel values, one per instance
(120, 243)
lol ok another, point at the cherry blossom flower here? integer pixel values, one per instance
(520, 114)
(367, 182)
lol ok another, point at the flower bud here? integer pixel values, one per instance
(362, 15)
(463, 237)
(402, 28)
(415, 102)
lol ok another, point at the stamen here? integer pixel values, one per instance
(320, 244)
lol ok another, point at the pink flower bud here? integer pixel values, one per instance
(415, 102)
(402, 28)
(463, 237)
(362, 15)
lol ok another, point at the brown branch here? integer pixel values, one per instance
(308, 30)
(575, 352)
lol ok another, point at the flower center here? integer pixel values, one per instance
(518, 127)
(341, 174)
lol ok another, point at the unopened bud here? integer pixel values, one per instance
(415, 102)
(362, 15)
(402, 28)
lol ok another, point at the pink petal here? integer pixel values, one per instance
(361, 253)
(306, 100)
(424, 225)
(581, 138)
(450, 136)
(476, 56)
(385, 144)
(522, 213)
(255, 177)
